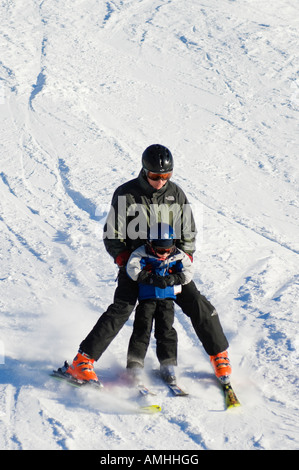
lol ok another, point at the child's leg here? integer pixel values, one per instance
(165, 333)
(141, 335)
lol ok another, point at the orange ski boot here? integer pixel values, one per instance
(221, 366)
(82, 368)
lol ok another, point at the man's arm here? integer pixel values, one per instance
(114, 234)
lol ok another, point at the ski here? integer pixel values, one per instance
(144, 391)
(231, 400)
(135, 379)
(151, 409)
(176, 390)
(61, 376)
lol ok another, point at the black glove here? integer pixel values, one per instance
(174, 279)
(159, 281)
(168, 281)
(145, 277)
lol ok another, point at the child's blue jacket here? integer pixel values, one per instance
(177, 262)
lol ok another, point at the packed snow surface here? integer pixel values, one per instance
(85, 87)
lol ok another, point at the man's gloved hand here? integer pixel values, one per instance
(122, 259)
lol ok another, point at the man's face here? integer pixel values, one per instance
(157, 184)
(158, 180)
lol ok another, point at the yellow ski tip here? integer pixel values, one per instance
(150, 409)
(233, 405)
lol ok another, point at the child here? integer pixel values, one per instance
(160, 269)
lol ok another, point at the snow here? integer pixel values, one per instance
(85, 87)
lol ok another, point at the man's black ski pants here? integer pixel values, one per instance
(203, 316)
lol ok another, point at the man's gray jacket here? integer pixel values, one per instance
(137, 207)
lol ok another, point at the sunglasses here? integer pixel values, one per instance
(158, 176)
(163, 251)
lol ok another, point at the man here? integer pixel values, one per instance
(136, 207)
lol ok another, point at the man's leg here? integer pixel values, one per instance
(111, 321)
(204, 318)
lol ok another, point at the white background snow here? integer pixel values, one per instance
(85, 87)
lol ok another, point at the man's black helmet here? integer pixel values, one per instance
(157, 158)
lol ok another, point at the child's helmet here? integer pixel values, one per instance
(162, 235)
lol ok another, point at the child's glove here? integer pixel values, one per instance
(146, 277)
(159, 281)
(174, 279)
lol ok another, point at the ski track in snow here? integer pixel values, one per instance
(84, 88)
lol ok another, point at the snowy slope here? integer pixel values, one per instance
(85, 86)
